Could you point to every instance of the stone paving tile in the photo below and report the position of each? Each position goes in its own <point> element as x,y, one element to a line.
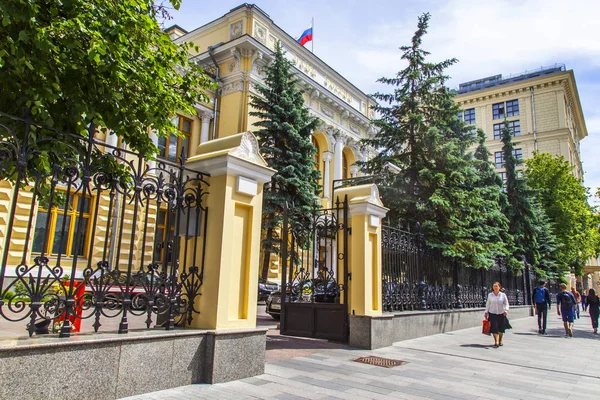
<point>255,381</point>
<point>301,392</point>
<point>296,386</point>
<point>287,396</point>
<point>446,366</point>
<point>324,384</point>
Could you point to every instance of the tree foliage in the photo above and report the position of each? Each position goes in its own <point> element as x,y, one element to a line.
<point>533,236</point>
<point>284,134</point>
<point>69,63</point>
<point>564,200</point>
<point>438,187</point>
<point>491,228</point>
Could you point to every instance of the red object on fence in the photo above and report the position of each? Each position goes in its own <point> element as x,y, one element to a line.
<point>75,320</point>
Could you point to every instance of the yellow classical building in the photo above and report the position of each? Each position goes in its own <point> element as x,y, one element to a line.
<point>234,49</point>
<point>542,108</point>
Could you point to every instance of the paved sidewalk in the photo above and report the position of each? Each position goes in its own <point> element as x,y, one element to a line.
<point>460,364</point>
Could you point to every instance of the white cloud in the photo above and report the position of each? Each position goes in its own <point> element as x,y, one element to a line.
<point>493,37</point>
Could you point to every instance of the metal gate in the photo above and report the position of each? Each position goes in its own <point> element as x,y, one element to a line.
<point>314,283</point>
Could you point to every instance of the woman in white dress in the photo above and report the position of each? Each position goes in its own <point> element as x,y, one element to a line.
<point>496,309</point>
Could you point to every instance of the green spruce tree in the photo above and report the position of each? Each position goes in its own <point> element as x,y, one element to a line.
<point>284,134</point>
<point>549,266</point>
<point>488,225</point>
<point>419,131</point>
<point>529,225</point>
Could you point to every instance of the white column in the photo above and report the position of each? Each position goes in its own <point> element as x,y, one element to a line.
<point>327,155</point>
<point>353,171</point>
<point>111,140</point>
<point>337,158</point>
<point>154,138</point>
<point>206,117</point>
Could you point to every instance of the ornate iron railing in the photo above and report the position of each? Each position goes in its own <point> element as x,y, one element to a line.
<point>416,277</point>
<point>314,261</point>
<point>95,231</point>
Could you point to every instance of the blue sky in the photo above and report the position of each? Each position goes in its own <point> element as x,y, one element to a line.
<point>360,39</point>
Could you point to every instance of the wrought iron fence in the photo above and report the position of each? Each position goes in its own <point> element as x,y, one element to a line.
<point>315,272</point>
<point>416,277</point>
<point>314,261</point>
<point>95,231</point>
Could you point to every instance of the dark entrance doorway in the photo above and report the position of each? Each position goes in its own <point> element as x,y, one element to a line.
<point>315,273</point>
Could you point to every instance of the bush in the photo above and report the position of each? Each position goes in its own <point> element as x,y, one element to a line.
<point>20,288</point>
<point>8,295</point>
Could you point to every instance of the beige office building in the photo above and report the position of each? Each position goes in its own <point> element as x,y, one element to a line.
<point>542,108</point>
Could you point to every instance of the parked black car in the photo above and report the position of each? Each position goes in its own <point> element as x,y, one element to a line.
<point>265,289</point>
<point>318,291</point>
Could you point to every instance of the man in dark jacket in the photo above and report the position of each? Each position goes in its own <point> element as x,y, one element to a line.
<point>541,299</point>
<point>565,306</point>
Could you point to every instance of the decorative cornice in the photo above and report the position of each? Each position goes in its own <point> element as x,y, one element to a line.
<point>249,150</point>
<point>232,87</point>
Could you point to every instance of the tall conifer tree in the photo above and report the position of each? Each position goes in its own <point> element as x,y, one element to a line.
<point>420,132</point>
<point>284,134</point>
<point>532,231</point>
<point>489,227</point>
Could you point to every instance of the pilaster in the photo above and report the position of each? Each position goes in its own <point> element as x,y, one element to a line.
<point>237,175</point>
<point>364,263</point>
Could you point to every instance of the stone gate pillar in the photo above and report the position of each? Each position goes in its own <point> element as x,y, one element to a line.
<point>237,174</point>
<point>369,329</point>
<point>365,212</point>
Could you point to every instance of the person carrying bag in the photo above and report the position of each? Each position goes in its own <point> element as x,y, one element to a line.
<point>496,309</point>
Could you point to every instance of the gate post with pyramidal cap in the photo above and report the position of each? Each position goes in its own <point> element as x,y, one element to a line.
<point>230,286</point>
<point>365,212</point>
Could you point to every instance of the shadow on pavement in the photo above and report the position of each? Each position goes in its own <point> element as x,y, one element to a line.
<point>476,345</point>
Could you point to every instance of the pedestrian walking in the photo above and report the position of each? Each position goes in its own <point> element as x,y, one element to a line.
<point>496,309</point>
<point>565,307</point>
<point>584,300</point>
<point>577,301</point>
<point>594,308</point>
<point>541,301</point>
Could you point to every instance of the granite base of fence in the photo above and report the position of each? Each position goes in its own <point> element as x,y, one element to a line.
<point>382,331</point>
<point>112,366</point>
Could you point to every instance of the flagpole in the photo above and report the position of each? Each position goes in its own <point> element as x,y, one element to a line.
<point>312,42</point>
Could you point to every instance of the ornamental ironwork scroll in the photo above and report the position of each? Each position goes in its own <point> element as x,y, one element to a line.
<point>96,231</point>
<point>416,277</point>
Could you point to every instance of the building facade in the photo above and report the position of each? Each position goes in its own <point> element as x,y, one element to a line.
<point>234,49</point>
<point>542,109</point>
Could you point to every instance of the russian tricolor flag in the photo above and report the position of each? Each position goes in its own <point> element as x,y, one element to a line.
<point>306,36</point>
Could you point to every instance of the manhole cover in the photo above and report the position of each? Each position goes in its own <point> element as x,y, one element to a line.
<point>380,361</point>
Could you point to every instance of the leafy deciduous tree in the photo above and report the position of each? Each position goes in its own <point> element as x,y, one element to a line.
<point>564,200</point>
<point>67,64</point>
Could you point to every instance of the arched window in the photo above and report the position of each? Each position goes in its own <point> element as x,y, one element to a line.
<point>345,174</point>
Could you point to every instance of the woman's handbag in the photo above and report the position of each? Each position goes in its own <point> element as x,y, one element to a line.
<point>486,326</point>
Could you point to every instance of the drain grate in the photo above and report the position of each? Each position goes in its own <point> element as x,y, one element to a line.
<point>380,361</point>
